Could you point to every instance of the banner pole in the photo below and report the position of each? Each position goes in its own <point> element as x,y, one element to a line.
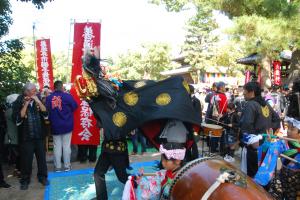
<point>34,52</point>
<point>69,63</point>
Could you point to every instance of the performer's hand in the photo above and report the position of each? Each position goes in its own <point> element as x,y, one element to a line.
<point>230,125</point>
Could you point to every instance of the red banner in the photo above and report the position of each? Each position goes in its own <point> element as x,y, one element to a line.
<point>277,73</point>
<point>86,36</point>
<point>259,74</point>
<point>85,130</point>
<point>44,63</point>
<point>247,76</point>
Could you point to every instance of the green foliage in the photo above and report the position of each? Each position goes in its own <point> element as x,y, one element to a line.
<point>38,3</point>
<point>200,45</point>
<point>171,5</point>
<point>263,26</point>
<point>61,71</point>
<point>5,19</point>
<point>226,55</point>
<point>265,8</point>
<point>144,64</point>
<point>259,34</point>
<point>13,73</point>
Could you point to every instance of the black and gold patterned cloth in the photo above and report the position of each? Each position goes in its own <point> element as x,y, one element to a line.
<point>115,146</point>
<point>139,102</point>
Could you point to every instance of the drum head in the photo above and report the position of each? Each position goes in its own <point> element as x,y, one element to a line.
<point>212,126</point>
<point>196,177</point>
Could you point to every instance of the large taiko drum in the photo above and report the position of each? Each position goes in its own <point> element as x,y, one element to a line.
<point>212,129</point>
<point>196,177</point>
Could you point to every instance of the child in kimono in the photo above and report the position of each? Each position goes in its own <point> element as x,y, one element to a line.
<point>158,185</point>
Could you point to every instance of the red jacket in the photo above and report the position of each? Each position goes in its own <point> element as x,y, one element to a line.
<point>222,102</point>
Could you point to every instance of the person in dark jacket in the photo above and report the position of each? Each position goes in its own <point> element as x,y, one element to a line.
<point>209,111</point>
<point>258,117</point>
<point>12,137</point>
<point>61,106</point>
<point>29,114</point>
<point>294,98</point>
<point>3,184</point>
<point>232,119</point>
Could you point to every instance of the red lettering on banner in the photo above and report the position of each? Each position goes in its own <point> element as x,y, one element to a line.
<point>56,102</point>
<point>86,131</point>
<point>277,73</point>
<point>86,37</point>
<point>85,121</point>
<point>44,63</point>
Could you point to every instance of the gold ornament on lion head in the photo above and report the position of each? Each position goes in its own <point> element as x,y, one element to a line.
<point>119,119</point>
<point>131,98</point>
<point>163,99</point>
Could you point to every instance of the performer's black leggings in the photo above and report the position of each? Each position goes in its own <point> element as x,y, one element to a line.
<point>119,161</point>
<point>252,163</point>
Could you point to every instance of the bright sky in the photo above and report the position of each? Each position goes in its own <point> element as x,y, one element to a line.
<point>125,23</point>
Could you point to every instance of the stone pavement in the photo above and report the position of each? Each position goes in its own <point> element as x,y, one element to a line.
<point>36,190</point>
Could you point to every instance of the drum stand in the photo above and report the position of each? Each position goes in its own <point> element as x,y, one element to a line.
<point>210,136</point>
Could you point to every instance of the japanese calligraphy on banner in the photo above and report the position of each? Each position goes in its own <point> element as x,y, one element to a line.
<point>247,76</point>
<point>86,131</point>
<point>86,36</point>
<point>44,63</point>
<point>277,73</point>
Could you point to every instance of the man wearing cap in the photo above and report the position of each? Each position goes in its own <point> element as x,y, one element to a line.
<point>219,107</point>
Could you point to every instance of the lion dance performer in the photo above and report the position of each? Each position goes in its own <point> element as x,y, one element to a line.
<point>121,106</point>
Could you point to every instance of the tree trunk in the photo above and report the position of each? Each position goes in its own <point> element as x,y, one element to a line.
<point>294,71</point>
<point>266,72</point>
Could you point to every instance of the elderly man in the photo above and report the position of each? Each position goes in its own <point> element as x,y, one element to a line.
<point>29,114</point>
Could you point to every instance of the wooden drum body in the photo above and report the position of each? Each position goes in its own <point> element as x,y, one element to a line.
<point>212,129</point>
<point>196,177</point>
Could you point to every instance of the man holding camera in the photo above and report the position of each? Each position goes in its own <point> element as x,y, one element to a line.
<point>29,114</point>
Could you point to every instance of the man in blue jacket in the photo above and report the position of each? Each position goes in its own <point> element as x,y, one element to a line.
<point>61,106</point>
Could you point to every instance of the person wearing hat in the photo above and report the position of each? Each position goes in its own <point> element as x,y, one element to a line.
<point>219,107</point>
